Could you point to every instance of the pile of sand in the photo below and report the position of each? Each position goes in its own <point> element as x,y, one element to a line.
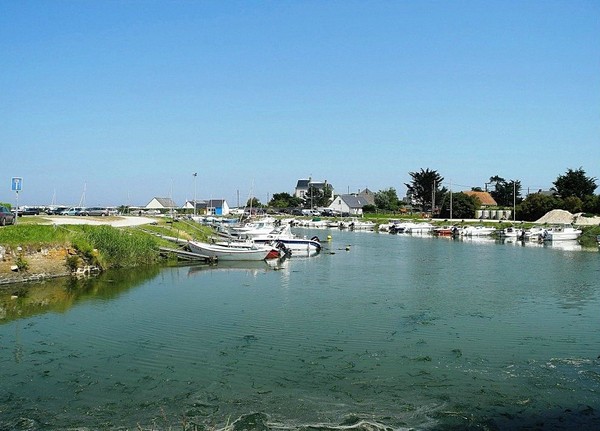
<point>557,217</point>
<point>565,217</point>
<point>579,219</point>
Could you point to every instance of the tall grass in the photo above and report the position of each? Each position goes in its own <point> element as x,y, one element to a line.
<point>105,246</point>
<point>110,247</point>
<point>33,235</point>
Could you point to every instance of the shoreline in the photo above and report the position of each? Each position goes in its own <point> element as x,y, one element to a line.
<point>50,260</point>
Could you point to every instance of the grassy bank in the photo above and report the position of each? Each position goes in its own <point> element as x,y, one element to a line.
<point>102,246</point>
<point>589,235</point>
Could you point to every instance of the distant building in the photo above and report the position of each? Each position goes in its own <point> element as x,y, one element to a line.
<point>488,208</point>
<point>348,204</point>
<point>209,207</point>
<point>545,192</point>
<point>303,186</point>
<point>368,196</point>
<point>485,198</point>
<point>161,204</point>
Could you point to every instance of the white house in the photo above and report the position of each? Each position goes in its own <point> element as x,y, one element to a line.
<point>348,204</point>
<point>217,207</point>
<point>161,204</point>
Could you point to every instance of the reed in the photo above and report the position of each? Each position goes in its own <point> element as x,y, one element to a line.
<point>110,247</point>
<point>105,246</point>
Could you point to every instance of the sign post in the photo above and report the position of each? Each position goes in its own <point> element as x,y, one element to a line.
<point>17,186</point>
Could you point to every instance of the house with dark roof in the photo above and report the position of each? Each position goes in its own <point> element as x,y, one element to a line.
<point>161,204</point>
<point>302,187</point>
<point>348,204</point>
<point>367,195</point>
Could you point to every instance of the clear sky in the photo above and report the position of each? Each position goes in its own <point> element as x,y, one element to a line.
<point>127,99</point>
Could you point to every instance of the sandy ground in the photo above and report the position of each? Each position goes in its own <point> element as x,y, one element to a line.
<point>120,221</point>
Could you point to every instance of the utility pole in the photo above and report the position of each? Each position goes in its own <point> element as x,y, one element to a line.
<point>432,199</point>
<point>450,199</point>
<point>514,200</point>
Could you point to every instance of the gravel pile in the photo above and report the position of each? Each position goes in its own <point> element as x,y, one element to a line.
<point>565,217</point>
<point>557,217</point>
<point>586,221</point>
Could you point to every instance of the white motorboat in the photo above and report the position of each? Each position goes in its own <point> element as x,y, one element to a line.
<point>418,228</point>
<point>535,233</point>
<point>561,233</point>
<point>283,238</point>
<point>258,227</point>
<point>223,252</point>
<point>511,232</point>
<point>356,224</point>
<point>476,230</point>
<point>299,246</point>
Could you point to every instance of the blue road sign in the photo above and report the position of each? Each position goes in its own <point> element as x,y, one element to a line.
<point>17,184</point>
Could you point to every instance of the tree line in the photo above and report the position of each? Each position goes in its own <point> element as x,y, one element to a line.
<point>573,191</point>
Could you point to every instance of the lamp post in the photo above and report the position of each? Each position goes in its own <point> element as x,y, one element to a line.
<point>195,174</point>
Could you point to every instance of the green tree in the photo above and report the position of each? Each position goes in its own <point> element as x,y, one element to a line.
<point>387,200</point>
<point>505,193</point>
<point>369,208</point>
<point>463,206</point>
<point>285,200</point>
<point>536,205</point>
<point>424,186</point>
<point>254,203</point>
<point>591,204</point>
<point>318,197</point>
<point>572,204</point>
<point>574,183</point>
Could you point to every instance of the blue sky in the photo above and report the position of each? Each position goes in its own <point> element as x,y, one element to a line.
<point>127,99</point>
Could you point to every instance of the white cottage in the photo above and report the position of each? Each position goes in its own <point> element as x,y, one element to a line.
<point>161,204</point>
<point>348,204</point>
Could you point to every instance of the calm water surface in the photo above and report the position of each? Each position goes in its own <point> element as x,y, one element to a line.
<point>396,332</point>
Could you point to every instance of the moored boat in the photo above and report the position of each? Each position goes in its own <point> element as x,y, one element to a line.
<point>476,231</point>
<point>283,238</point>
<point>299,246</point>
<point>561,233</point>
<point>223,252</point>
<point>445,231</point>
<point>356,224</point>
<point>511,232</point>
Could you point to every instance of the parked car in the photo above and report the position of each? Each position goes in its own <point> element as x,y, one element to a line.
<point>74,211</point>
<point>27,211</point>
<point>56,210</point>
<point>6,216</point>
<point>97,211</point>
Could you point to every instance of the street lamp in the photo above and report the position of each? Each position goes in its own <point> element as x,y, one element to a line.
<point>195,174</point>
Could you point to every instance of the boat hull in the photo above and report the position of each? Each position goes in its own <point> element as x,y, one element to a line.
<point>299,247</point>
<point>229,253</point>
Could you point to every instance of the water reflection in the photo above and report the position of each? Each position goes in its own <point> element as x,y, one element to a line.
<point>248,267</point>
<point>59,295</point>
<point>396,332</point>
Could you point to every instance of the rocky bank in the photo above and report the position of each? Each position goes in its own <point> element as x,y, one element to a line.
<point>21,265</point>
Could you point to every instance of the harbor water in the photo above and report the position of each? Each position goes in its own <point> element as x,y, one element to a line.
<point>377,332</point>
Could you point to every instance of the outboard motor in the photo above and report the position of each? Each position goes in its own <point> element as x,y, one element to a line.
<point>286,252</point>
